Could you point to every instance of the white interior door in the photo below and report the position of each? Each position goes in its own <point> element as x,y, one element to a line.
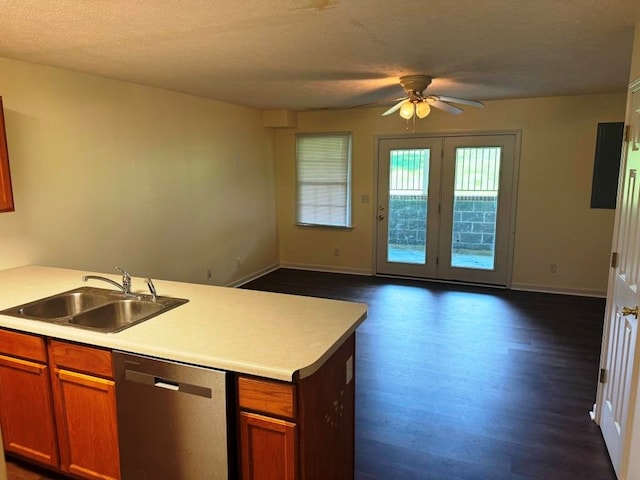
<point>617,398</point>
<point>445,207</point>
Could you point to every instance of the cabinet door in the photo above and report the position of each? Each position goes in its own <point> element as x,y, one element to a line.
<point>87,425</point>
<point>26,410</point>
<point>268,448</point>
<point>6,195</point>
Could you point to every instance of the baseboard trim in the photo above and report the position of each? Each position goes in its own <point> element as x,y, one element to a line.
<point>558,290</point>
<point>254,276</point>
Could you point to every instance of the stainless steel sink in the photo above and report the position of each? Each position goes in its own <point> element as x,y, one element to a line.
<point>63,305</point>
<point>99,309</point>
<point>120,314</point>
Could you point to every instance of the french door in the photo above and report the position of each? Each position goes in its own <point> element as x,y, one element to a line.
<point>444,207</point>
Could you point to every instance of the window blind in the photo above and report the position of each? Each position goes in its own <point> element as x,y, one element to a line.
<point>324,179</point>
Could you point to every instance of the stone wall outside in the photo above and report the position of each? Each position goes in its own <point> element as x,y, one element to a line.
<point>474,221</point>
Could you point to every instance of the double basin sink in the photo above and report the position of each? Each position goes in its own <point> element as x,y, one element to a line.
<point>97,309</point>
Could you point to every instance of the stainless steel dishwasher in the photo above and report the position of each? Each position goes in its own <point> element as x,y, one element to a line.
<point>172,420</point>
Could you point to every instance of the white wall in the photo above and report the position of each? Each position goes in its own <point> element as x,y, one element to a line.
<point>109,173</point>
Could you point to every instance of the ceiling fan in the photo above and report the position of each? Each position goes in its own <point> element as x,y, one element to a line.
<point>416,103</point>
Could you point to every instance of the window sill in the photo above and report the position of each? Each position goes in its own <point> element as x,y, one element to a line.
<point>324,227</point>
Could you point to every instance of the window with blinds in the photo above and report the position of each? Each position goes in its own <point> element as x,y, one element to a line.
<point>323,168</point>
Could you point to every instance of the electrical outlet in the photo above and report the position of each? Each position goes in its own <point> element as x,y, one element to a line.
<point>553,268</point>
<point>238,262</point>
<point>209,274</point>
<point>349,369</point>
<point>336,252</point>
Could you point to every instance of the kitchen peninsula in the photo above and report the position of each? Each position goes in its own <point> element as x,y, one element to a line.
<point>290,358</point>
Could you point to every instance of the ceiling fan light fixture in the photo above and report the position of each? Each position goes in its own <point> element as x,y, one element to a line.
<point>407,110</point>
<point>422,109</point>
<point>416,104</point>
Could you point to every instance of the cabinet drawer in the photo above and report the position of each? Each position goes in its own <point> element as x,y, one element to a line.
<point>95,361</point>
<point>267,397</point>
<point>23,345</point>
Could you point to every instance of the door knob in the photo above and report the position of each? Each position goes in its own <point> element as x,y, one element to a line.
<point>630,311</point>
<point>380,217</point>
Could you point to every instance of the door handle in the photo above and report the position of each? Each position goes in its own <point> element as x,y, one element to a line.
<point>380,217</point>
<point>630,311</point>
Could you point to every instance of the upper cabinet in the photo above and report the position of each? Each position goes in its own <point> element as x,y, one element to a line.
<point>6,194</point>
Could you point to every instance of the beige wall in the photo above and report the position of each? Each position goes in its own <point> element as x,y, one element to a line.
<point>635,57</point>
<point>554,223</point>
<point>108,173</point>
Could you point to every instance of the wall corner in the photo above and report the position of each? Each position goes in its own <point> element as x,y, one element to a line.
<point>281,118</point>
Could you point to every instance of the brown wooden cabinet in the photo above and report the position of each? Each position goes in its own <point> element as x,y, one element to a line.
<point>303,430</point>
<point>58,408</point>
<point>26,405</point>
<point>269,448</point>
<point>62,412</point>
<point>268,440</point>
<point>85,406</point>
<point>6,193</point>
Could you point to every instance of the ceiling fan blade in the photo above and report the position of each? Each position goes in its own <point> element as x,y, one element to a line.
<point>462,101</point>
<point>396,107</point>
<point>436,102</point>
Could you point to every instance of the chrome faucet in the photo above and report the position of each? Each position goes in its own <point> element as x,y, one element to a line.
<point>152,288</point>
<point>126,281</point>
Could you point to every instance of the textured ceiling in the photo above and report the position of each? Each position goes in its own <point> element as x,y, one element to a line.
<point>309,54</point>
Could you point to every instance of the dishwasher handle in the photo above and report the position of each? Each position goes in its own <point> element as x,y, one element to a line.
<point>167,384</point>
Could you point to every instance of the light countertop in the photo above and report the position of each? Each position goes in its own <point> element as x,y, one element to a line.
<point>271,335</point>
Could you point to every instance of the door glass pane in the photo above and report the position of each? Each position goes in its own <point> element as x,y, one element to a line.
<point>408,193</point>
<point>475,204</point>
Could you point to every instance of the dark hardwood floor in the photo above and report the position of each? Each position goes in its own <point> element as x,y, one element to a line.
<point>465,383</point>
<point>18,470</point>
<point>469,383</point>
